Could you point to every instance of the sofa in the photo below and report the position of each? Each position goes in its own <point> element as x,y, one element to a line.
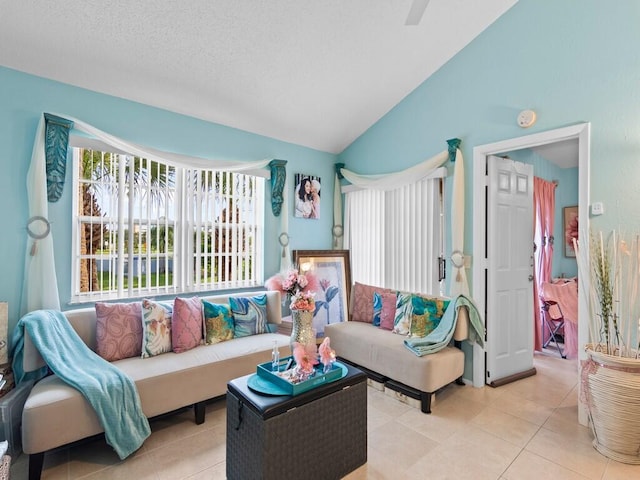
<point>56,414</point>
<point>383,355</point>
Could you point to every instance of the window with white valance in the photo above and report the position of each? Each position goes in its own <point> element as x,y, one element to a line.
<point>45,183</point>
<point>395,225</point>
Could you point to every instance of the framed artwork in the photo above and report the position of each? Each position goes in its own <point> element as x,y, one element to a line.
<point>333,274</point>
<point>570,229</point>
<point>306,196</point>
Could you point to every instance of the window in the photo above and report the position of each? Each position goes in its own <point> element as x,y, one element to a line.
<point>396,237</point>
<point>142,227</point>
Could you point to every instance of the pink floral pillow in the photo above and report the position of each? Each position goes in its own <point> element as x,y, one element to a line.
<point>118,330</point>
<point>362,302</point>
<point>187,324</point>
<point>388,312</point>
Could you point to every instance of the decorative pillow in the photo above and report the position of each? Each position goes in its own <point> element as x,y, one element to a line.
<point>156,328</point>
<point>426,314</point>
<point>118,330</point>
<point>402,320</point>
<point>377,308</point>
<point>362,302</point>
<point>186,324</point>
<point>249,315</point>
<point>388,312</point>
<point>218,322</point>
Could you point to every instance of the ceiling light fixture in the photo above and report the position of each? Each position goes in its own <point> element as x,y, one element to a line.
<point>417,10</point>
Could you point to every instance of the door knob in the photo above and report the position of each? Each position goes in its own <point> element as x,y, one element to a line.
<point>531,278</point>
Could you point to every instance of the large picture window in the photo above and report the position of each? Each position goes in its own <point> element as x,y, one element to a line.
<point>146,228</point>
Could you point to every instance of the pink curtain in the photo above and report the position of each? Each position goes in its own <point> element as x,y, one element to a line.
<point>544,201</point>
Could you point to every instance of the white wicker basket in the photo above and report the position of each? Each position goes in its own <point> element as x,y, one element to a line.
<point>611,386</point>
<point>5,467</point>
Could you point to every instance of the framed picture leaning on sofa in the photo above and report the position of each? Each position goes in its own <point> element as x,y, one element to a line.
<point>333,273</point>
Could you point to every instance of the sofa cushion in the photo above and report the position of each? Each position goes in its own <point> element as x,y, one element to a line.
<point>156,328</point>
<point>382,352</point>
<point>362,302</point>
<point>118,330</point>
<point>186,324</point>
<point>249,315</point>
<point>164,382</point>
<point>218,322</point>
<point>426,313</point>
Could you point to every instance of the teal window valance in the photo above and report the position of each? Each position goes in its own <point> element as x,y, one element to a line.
<point>55,147</point>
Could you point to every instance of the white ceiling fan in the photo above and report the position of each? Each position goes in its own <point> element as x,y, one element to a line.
<point>415,13</point>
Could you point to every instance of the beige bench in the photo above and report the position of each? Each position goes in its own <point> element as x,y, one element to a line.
<point>385,358</point>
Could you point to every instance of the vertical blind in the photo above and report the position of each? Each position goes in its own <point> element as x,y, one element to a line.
<point>396,237</point>
<point>146,228</point>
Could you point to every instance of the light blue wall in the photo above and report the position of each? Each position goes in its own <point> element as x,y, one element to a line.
<point>23,98</point>
<point>569,61</point>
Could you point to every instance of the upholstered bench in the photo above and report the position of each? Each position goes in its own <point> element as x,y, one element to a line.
<point>384,357</point>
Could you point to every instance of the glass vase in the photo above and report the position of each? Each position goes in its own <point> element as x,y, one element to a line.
<point>302,328</point>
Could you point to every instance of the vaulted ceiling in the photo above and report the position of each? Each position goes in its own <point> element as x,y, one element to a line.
<point>316,73</point>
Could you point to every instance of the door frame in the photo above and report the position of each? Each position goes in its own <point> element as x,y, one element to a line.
<point>581,132</point>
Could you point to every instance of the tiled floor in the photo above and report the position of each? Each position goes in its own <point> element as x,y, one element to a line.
<point>524,430</point>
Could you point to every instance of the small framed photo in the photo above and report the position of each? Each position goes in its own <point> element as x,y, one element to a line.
<point>306,196</point>
<point>570,229</point>
<point>333,273</point>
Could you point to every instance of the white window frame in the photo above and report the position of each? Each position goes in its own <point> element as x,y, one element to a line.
<point>188,218</point>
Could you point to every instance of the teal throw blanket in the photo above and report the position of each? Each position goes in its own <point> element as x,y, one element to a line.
<point>443,333</point>
<point>111,393</point>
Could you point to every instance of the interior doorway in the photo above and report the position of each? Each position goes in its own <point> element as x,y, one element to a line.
<point>581,132</point>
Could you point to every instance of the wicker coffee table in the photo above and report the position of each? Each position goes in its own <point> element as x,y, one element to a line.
<point>319,434</point>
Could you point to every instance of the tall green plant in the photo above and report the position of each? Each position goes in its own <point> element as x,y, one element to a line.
<point>609,272</point>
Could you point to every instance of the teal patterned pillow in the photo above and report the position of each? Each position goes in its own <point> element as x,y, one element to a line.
<point>402,321</point>
<point>249,315</point>
<point>426,313</point>
<point>218,322</point>
<point>377,309</point>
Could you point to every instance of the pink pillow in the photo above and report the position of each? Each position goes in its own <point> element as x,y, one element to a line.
<point>118,330</point>
<point>362,302</point>
<point>187,324</point>
<point>388,312</point>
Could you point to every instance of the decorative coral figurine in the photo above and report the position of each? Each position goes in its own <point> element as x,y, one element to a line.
<point>327,354</point>
<point>306,356</point>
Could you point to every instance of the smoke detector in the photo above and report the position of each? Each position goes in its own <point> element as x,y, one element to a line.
<point>526,118</point>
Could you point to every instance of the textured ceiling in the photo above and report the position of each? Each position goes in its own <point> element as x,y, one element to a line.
<point>316,73</point>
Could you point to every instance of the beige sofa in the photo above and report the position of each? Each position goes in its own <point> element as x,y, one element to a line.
<point>384,357</point>
<point>56,414</point>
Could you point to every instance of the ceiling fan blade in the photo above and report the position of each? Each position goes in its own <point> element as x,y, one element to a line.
<point>417,10</point>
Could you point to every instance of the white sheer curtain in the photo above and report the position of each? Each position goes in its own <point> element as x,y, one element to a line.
<point>40,288</point>
<point>366,221</point>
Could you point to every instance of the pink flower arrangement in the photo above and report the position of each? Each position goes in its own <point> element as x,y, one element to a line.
<point>299,287</point>
<point>303,301</point>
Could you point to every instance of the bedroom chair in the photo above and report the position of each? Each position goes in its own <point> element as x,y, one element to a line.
<point>553,318</point>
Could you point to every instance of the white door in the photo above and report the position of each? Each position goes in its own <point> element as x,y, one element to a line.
<point>509,268</point>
